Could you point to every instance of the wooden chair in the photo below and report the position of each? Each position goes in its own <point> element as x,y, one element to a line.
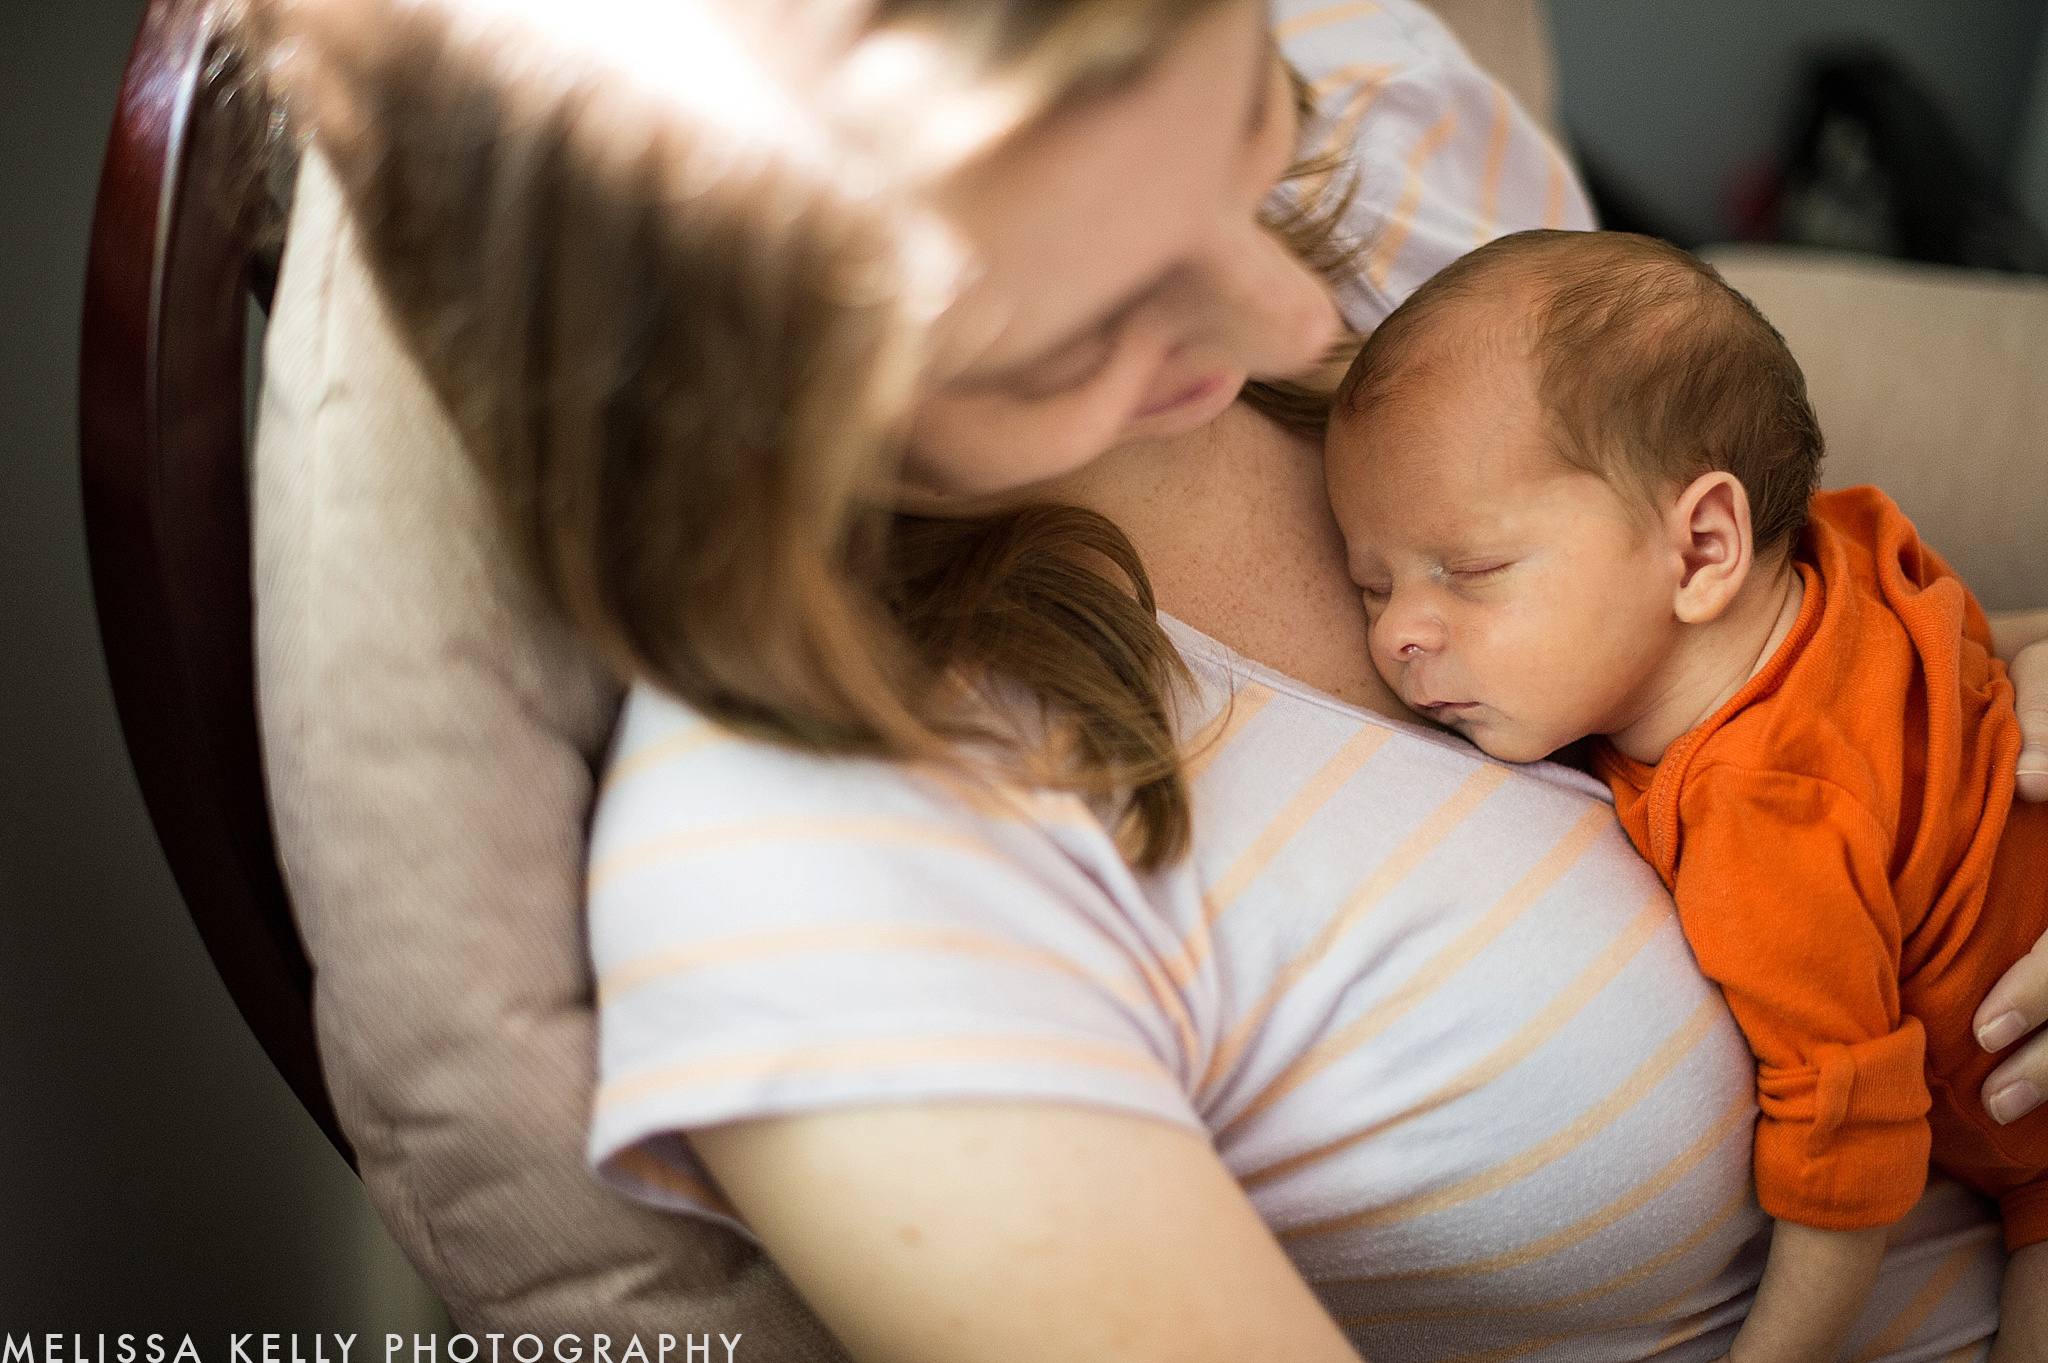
<point>186,239</point>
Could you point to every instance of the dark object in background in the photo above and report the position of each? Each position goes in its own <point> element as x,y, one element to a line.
<point>1617,207</point>
<point>1877,165</point>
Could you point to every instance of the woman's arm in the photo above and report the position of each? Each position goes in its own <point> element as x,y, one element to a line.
<point>974,1232</point>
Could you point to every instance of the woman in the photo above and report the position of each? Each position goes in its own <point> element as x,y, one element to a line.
<point>1069,341</point>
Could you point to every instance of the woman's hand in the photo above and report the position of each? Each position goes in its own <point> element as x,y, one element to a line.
<point>2018,1004</point>
<point>2021,639</point>
<point>1016,1232</point>
<point>2029,670</point>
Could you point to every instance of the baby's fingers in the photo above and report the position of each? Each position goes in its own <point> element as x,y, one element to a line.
<point>2030,685</point>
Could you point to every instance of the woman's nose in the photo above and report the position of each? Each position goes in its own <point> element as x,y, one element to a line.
<point>1274,313</point>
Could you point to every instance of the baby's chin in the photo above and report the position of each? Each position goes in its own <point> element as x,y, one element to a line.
<point>1497,736</point>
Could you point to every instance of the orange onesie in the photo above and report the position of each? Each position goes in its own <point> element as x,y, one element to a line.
<point>1850,867</point>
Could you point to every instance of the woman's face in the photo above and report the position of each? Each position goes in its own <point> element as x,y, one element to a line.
<point>1125,288</point>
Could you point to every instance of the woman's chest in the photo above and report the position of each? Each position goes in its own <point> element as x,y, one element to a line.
<point>1452,1042</point>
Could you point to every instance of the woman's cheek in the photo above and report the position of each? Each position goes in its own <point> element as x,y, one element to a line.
<point>973,445</point>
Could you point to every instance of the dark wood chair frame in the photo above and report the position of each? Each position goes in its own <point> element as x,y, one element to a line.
<point>186,234</point>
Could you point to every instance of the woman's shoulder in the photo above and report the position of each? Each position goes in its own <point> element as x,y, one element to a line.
<point>1440,156</point>
<point>691,813</point>
<point>1265,715</point>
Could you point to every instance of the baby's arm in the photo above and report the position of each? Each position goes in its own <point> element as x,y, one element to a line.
<point>1783,893</point>
<point>2023,1308</point>
<point>1814,1285</point>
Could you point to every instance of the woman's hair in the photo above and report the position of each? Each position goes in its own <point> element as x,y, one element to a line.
<point>679,349</point>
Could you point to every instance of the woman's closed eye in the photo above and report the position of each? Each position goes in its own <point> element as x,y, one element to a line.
<point>1066,369</point>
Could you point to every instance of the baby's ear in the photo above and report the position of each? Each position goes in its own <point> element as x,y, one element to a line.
<point>1708,528</point>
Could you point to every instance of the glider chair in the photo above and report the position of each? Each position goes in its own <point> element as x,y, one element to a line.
<point>421,769</point>
<point>364,747</point>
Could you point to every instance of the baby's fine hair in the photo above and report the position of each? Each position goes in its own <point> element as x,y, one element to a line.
<point>1651,370</point>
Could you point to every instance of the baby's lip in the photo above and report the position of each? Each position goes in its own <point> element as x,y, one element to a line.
<point>1446,707</point>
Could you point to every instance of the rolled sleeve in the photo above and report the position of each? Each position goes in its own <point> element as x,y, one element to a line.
<point>1843,1143</point>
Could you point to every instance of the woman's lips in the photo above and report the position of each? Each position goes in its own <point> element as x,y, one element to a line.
<point>1193,393</point>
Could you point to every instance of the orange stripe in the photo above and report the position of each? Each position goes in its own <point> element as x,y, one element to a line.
<point>1568,1138</point>
<point>904,1053</point>
<point>1517,1048</point>
<point>889,832</point>
<point>1228,723</point>
<point>661,750</point>
<point>1335,14</point>
<point>1922,1304</point>
<point>1352,74</point>
<point>1438,970</point>
<point>1553,193</point>
<point>1379,262</point>
<point>1442,821</point>
<point>1737,1115</point>
<point>645,970</point>
<point>1689,1328</point>
<point>659,1173</point>
<point>1647,1269</point>
<point>1496,154</point>
<point>1293,816</point>
<point>1182,965</point>
<point>1371,78</point>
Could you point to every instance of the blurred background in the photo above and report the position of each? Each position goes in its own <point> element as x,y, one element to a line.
<point>155,1173</point>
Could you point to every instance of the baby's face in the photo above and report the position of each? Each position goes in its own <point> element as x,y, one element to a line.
<point>1511,597</point>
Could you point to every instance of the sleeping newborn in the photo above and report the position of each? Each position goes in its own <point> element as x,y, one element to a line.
<point>1575,478</point>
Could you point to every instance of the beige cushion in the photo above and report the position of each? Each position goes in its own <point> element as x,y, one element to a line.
<point>1510,40</point>
<point>1932,383</point>
<point>429,739</point>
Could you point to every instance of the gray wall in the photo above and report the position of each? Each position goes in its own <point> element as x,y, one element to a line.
<point>2030,157</point>
<point>1675,97</point>
<point>155,1173</point>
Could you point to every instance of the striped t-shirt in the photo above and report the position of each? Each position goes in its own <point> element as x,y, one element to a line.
<point>1432,1011</point>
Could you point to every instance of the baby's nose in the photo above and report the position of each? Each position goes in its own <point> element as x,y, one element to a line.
<point>1408,634</point>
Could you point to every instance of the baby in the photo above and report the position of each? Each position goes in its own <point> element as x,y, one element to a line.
<point>1575,476</point>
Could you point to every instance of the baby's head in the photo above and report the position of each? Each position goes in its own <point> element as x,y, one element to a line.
<point>1558,468</point>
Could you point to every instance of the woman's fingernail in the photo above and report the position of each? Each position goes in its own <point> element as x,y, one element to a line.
<point>2013,1102</point>
<point>2001,1031</point>
<point>2033,772</point>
